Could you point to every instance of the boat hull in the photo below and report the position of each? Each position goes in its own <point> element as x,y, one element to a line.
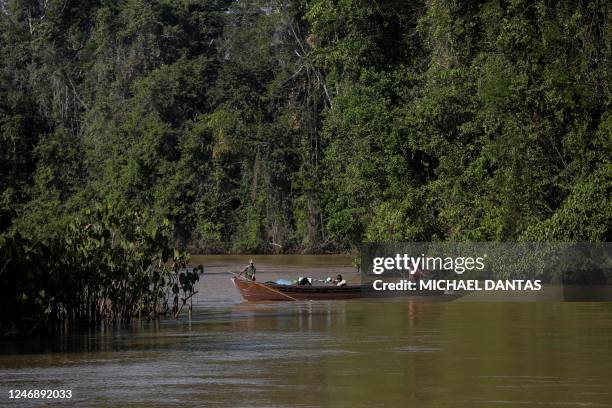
<point>255,291</point>
<point>258,292</point>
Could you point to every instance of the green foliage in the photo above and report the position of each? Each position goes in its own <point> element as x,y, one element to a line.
<point>585,214</point>
<point>498,136</point>
<point>303,126</point>
<point>108,266</point>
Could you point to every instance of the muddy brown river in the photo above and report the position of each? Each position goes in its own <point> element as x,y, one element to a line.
<point>359,353</point>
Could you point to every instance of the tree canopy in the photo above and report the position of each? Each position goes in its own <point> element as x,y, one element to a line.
<point>310,126</point>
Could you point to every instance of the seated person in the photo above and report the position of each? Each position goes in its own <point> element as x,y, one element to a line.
<point>339,281</point>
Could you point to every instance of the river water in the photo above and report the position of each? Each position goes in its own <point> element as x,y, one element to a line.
<point>360,353</point>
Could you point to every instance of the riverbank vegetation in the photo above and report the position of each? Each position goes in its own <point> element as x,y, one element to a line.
<point>289,126</point>
<point>108,267</point>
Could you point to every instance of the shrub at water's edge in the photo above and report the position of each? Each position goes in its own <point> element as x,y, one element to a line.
<point>109,266</point>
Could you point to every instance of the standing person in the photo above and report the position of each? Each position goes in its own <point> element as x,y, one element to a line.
<point>417,276</point>
<point>249,271</point>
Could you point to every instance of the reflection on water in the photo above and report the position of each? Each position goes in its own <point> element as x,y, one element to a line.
<point>336,353</point>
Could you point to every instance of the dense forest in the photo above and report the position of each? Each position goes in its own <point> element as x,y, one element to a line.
<point>129,128</point>
<point>266,126</point>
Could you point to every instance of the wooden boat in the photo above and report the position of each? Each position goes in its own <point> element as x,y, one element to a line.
<point>256,291</point>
